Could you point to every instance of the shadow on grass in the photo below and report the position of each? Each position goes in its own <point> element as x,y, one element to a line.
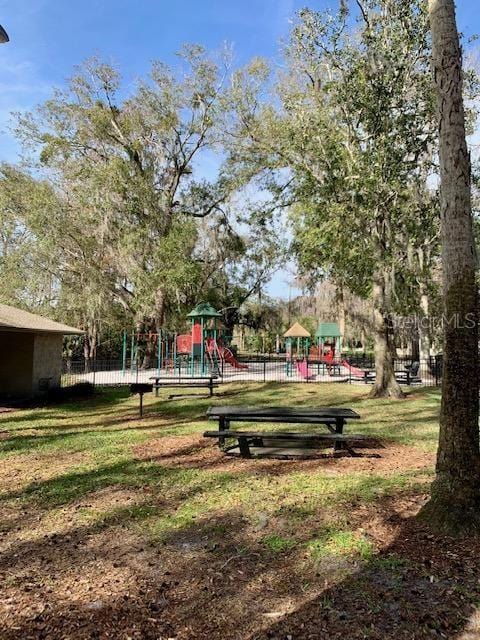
<point>88,407</point>
<point>66,488</point>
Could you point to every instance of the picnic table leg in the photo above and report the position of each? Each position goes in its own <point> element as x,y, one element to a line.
<point>244,447</point>
<point>339,424</point>
<point>156,388</point>
<point>223,425</point>
<point>141,403</point>
<point>210,386</point>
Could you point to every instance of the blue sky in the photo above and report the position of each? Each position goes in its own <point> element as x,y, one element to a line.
<point>49,37</point>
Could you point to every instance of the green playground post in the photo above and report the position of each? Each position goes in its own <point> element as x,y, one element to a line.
<point>124,351</point>
<point>288,356</point>
<point>132,352</point>
<point>175,363</point>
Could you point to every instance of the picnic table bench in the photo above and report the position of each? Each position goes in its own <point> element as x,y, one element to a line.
<point>333,418</point>
<point>141,388</point>
<point>191,382</point>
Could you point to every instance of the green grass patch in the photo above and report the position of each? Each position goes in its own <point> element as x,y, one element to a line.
<point>390,562</point>
<point>278,544</point>
<point>336,542</point>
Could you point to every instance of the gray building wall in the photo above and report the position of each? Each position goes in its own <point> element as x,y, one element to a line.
<point>16,363</point>
<point>29,362</point>
<point>47,361</point>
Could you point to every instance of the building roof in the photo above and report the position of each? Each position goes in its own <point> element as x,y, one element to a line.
<point>328,330</point>
<point>296,331</point>
<point>204,310</point>
<point>13,319</point>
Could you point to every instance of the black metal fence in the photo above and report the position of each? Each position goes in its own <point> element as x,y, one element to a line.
<point>358,369</point>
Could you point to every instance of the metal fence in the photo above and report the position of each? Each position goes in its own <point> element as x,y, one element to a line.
<point>359,369</point>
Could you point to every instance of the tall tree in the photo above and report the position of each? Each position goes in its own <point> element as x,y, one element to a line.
<point>455,500</point>
<point>126,165</point>
<point>346,131</point>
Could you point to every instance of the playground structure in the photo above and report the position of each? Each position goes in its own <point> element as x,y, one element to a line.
<point>328,351</point>
<point>198,353</point>
<point>325,352</point>
<point>328,342</point>
<point>297,342</point>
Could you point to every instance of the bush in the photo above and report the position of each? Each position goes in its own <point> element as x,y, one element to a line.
<point>77,391</point>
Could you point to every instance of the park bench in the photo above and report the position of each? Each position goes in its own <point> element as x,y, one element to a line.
<point>187,382</point>
<point>333,418</point>
<point>409,375</point>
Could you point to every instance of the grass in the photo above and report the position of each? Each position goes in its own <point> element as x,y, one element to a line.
<point>278,544</point>
<point>92,468</point>
<point>332,541</point>
<point>102,434</point>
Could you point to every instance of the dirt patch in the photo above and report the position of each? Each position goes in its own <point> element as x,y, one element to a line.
<point>201,585</point>
<point>194,452</point>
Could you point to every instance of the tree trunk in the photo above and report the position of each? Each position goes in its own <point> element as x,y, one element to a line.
<point>149,357</point>
<point>154,326</point>
<point>415,345</point>
<point>93,339</point>
<point>455,497</point>
<point>90,345</point>
<point>363,339</point>
<point>425,342</point>
<point>86,353</point>
<point>386,385</point>
<point>340,299</point>
<point>159,311</point>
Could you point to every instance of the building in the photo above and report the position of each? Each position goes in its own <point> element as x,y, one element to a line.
<point>30,352</point>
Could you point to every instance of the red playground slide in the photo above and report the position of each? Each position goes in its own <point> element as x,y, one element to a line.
<point>358,373</point>
<point>224,354</point>
<point>228,356</point>
<point>303,370</point>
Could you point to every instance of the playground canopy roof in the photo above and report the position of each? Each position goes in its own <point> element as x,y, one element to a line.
<point>13,319</point>
<point>296,331</point>
<point>204,310</point>
<point>328,330</point>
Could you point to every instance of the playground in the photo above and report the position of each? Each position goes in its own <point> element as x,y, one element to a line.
<point>145,529</point>
<point>208,351</point>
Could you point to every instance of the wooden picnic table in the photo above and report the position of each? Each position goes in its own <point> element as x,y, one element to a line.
<point>332,417</point>
<point>185,382</point>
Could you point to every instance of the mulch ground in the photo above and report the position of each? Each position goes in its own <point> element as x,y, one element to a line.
<point>194,452</point>
<point>63,580</point>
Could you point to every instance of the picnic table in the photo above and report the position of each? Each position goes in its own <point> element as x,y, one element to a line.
<point>333,418</point>
<point>207,382</point>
